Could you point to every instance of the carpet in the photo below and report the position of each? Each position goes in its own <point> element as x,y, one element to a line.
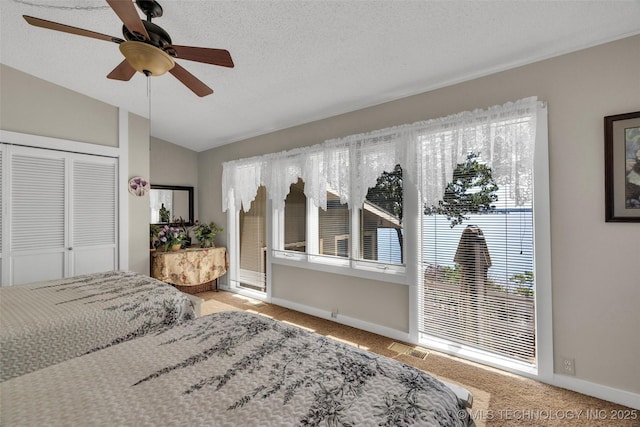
<point>499,398</point>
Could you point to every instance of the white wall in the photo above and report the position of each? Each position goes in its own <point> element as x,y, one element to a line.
<point>596,285</point>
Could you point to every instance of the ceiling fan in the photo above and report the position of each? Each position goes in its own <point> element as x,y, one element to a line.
<point>147,48</point>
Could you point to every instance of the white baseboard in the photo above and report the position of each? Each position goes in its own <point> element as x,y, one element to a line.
<point>615,395</point>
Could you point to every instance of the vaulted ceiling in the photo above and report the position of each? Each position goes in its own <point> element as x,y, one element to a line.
<point>300,61</point>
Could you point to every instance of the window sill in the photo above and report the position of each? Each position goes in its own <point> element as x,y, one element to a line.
<point>380,272</point>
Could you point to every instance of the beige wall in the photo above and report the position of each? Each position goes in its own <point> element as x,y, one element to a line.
<point>33,106</point>
<point>388,308</point>
<point>172,164</point>
<point>596,285</point>
<point>139,258</point>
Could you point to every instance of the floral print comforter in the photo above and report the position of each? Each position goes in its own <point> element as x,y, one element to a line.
<point>231,369</point>
<point>48,322</point>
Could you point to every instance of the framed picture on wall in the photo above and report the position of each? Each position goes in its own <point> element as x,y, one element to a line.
<point>622,167</point>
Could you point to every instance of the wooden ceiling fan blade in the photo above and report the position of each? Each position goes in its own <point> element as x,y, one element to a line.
<point>126,11</point>
<point>206,55</point>
<point>50,25</point>
<point>190,81</point>
<point>124,71</point>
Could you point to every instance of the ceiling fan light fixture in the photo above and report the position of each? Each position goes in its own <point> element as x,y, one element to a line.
<point>147,59</point>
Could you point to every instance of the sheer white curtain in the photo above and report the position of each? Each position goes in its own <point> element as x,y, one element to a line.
<point>503,137</point>
<point>428,152</point>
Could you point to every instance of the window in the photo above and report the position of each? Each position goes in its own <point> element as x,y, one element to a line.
<point>334,228</point>
<point>295,219</point>
<point>253,244</point>
<point>468,215</point>
<point>381,231</point>
<point>477,285</point>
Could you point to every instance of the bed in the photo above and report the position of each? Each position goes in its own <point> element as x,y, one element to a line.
<point>48,322</point>
<point>231,369</point>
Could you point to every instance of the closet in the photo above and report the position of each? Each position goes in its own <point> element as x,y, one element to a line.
<point>59,214</point>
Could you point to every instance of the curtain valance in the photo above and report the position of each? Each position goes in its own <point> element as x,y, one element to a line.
<point>503,136</point>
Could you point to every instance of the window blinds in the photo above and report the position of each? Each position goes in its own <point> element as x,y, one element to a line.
<point>477,282</point>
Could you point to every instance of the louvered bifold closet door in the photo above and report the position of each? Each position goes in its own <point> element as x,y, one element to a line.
<point>37,215</point>
<point>94,214</point>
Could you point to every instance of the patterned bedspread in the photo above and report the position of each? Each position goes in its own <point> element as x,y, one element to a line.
<point>230,369</point>
<point>48,322</point>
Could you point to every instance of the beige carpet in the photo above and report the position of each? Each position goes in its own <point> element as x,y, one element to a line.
<point>212,305</point>
<point>500,398</point>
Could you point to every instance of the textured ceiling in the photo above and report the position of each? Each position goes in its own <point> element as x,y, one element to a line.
<point>300,61</point>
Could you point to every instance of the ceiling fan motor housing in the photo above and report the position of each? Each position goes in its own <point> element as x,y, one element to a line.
<point>150,8</point>
<point>158,37</point>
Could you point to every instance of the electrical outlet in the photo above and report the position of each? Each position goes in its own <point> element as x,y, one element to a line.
<point>334,313</point>
<point>568,366</point>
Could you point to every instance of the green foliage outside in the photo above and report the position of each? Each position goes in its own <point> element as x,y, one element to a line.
<point>452,274</point>
<point>471,190</point>
<point>388,195</point>
<point>524,283</point>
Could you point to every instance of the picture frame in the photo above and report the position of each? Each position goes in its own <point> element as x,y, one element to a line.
<point>622,167</point>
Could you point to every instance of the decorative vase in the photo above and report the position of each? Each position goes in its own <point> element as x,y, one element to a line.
<point>176,247</point>
<point>207,243</point>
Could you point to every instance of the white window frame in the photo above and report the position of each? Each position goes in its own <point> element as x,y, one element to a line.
<point>543,369</point>
<point>314,260</point>
<point>233,251</point>
<point>410,275</point>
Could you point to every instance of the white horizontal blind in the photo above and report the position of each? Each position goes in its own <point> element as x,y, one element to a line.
<point>37,202</point>
<point>334,228</point>
<point>94,203</point>
<point>478,289</point>
<point>477,277</point>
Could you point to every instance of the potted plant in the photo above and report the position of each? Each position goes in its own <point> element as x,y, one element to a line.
<point>154,229</point>
<point>169,238</point>
<point>205,233</point>
<point>182,224</point>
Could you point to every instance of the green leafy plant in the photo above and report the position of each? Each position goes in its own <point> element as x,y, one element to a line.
<point>388,195</point>
<point>182,224</point>
<point>524,283</point>
<point>471,190</point>
<point>206,233</point>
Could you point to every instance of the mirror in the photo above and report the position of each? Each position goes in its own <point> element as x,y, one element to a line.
<point>170,202</point>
